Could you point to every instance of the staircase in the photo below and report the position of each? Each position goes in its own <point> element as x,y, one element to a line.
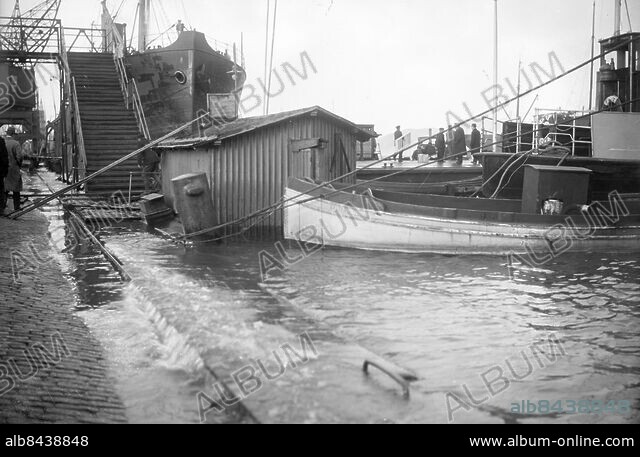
<point>110,130</point>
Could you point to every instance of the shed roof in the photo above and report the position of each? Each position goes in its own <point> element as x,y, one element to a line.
<point>251,124</point>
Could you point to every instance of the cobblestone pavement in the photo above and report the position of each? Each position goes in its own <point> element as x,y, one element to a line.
<point>52,370</point>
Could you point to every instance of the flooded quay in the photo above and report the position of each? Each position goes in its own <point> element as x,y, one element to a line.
<point>478,340</point>
<point>320,212</point>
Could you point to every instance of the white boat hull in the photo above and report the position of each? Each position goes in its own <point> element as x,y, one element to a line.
<point>329,223</point>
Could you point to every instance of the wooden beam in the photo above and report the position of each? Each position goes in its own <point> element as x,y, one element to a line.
<point>309,143</point>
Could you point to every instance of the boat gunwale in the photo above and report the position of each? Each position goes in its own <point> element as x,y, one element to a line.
<point>522,221</point>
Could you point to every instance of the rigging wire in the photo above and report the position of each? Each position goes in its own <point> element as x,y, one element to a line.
<point>186,15</point>
<point>165,17</point>
<point>288,203</point>
<point>133,29</point>
<point>119,8</point>
<point>161,35</point>
<point>155,16</point>
<point>346,175</point>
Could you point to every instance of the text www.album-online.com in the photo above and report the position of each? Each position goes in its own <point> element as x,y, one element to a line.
<point>577,441</point>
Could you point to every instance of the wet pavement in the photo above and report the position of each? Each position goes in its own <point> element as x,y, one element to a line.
<point>52,369</point>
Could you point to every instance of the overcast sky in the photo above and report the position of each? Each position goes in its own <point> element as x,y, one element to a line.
<point>385,62</point>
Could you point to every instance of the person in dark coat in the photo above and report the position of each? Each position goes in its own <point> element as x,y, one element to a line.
<point>476,142</point>
<point>441,145</point>
<point>13,180</point>
<point>459,144</point>
<point>149,162</point>
<point>4,169</point>
<point>396,136</point>
<point>450,151</point>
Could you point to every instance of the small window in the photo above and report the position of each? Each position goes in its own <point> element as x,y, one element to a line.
<point>181,78</point>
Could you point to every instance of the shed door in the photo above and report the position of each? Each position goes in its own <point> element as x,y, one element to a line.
<point>340,158</point>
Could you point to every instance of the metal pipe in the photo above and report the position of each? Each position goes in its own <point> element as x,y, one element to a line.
<point>617,17</point>
<point>106,169</point>
<point>397,378</point>
<point>130,184</point>
<point>113,260</point>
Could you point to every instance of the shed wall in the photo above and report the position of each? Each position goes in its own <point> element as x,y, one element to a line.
<point>249,172</point>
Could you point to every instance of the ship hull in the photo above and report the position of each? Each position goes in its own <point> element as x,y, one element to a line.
<point>174,82</point>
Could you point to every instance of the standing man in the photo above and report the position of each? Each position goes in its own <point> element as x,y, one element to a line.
<point>180,26</point>
<point>459,144</point>
<point>396,136</point>
<point>450,142</point>
<point>149,162</point>
<point>13,180</point>
<point>441,145</point>
<point>476,142</point>
<point>4,169</point>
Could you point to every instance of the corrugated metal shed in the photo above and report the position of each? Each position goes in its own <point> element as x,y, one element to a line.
<point>249,161</point>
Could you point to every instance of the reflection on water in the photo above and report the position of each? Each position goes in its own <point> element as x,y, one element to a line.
<point>449,319</point>
<point>453,318</point>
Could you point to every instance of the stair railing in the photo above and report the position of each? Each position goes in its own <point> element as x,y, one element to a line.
<point>128,85</point>
<point>82,153</point>
<point>71,94</point>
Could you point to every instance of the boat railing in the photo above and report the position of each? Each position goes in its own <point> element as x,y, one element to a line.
<point>549,119</point>
<point>487,134</point>
<point>568,133</point>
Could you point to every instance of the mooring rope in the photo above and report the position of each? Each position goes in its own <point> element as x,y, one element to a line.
<point>281,205</point>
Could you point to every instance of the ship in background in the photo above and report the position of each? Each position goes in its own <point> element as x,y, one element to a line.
<point>175,82</point>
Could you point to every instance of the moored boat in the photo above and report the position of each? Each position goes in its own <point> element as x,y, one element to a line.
<point>396,222</point>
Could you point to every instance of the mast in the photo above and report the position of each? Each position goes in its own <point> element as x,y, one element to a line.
<point>495,79</point>
<point>143,24</point>
<point>593,54</point>
<point>518,120</point>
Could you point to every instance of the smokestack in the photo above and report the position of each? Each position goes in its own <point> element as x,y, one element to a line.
<point>618,18</point>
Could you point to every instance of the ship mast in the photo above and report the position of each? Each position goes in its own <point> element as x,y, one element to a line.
<point>144,7</point>
<point>618,18</point>
<point>495,79</point>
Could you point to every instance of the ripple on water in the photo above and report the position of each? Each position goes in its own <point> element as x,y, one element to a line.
<point>450,319</point>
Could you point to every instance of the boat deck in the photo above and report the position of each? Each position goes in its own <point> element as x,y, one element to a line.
<point>433,173</point>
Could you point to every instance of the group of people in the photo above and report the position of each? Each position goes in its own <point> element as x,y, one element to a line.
<point>10,174</point>
<point>453,146</point>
